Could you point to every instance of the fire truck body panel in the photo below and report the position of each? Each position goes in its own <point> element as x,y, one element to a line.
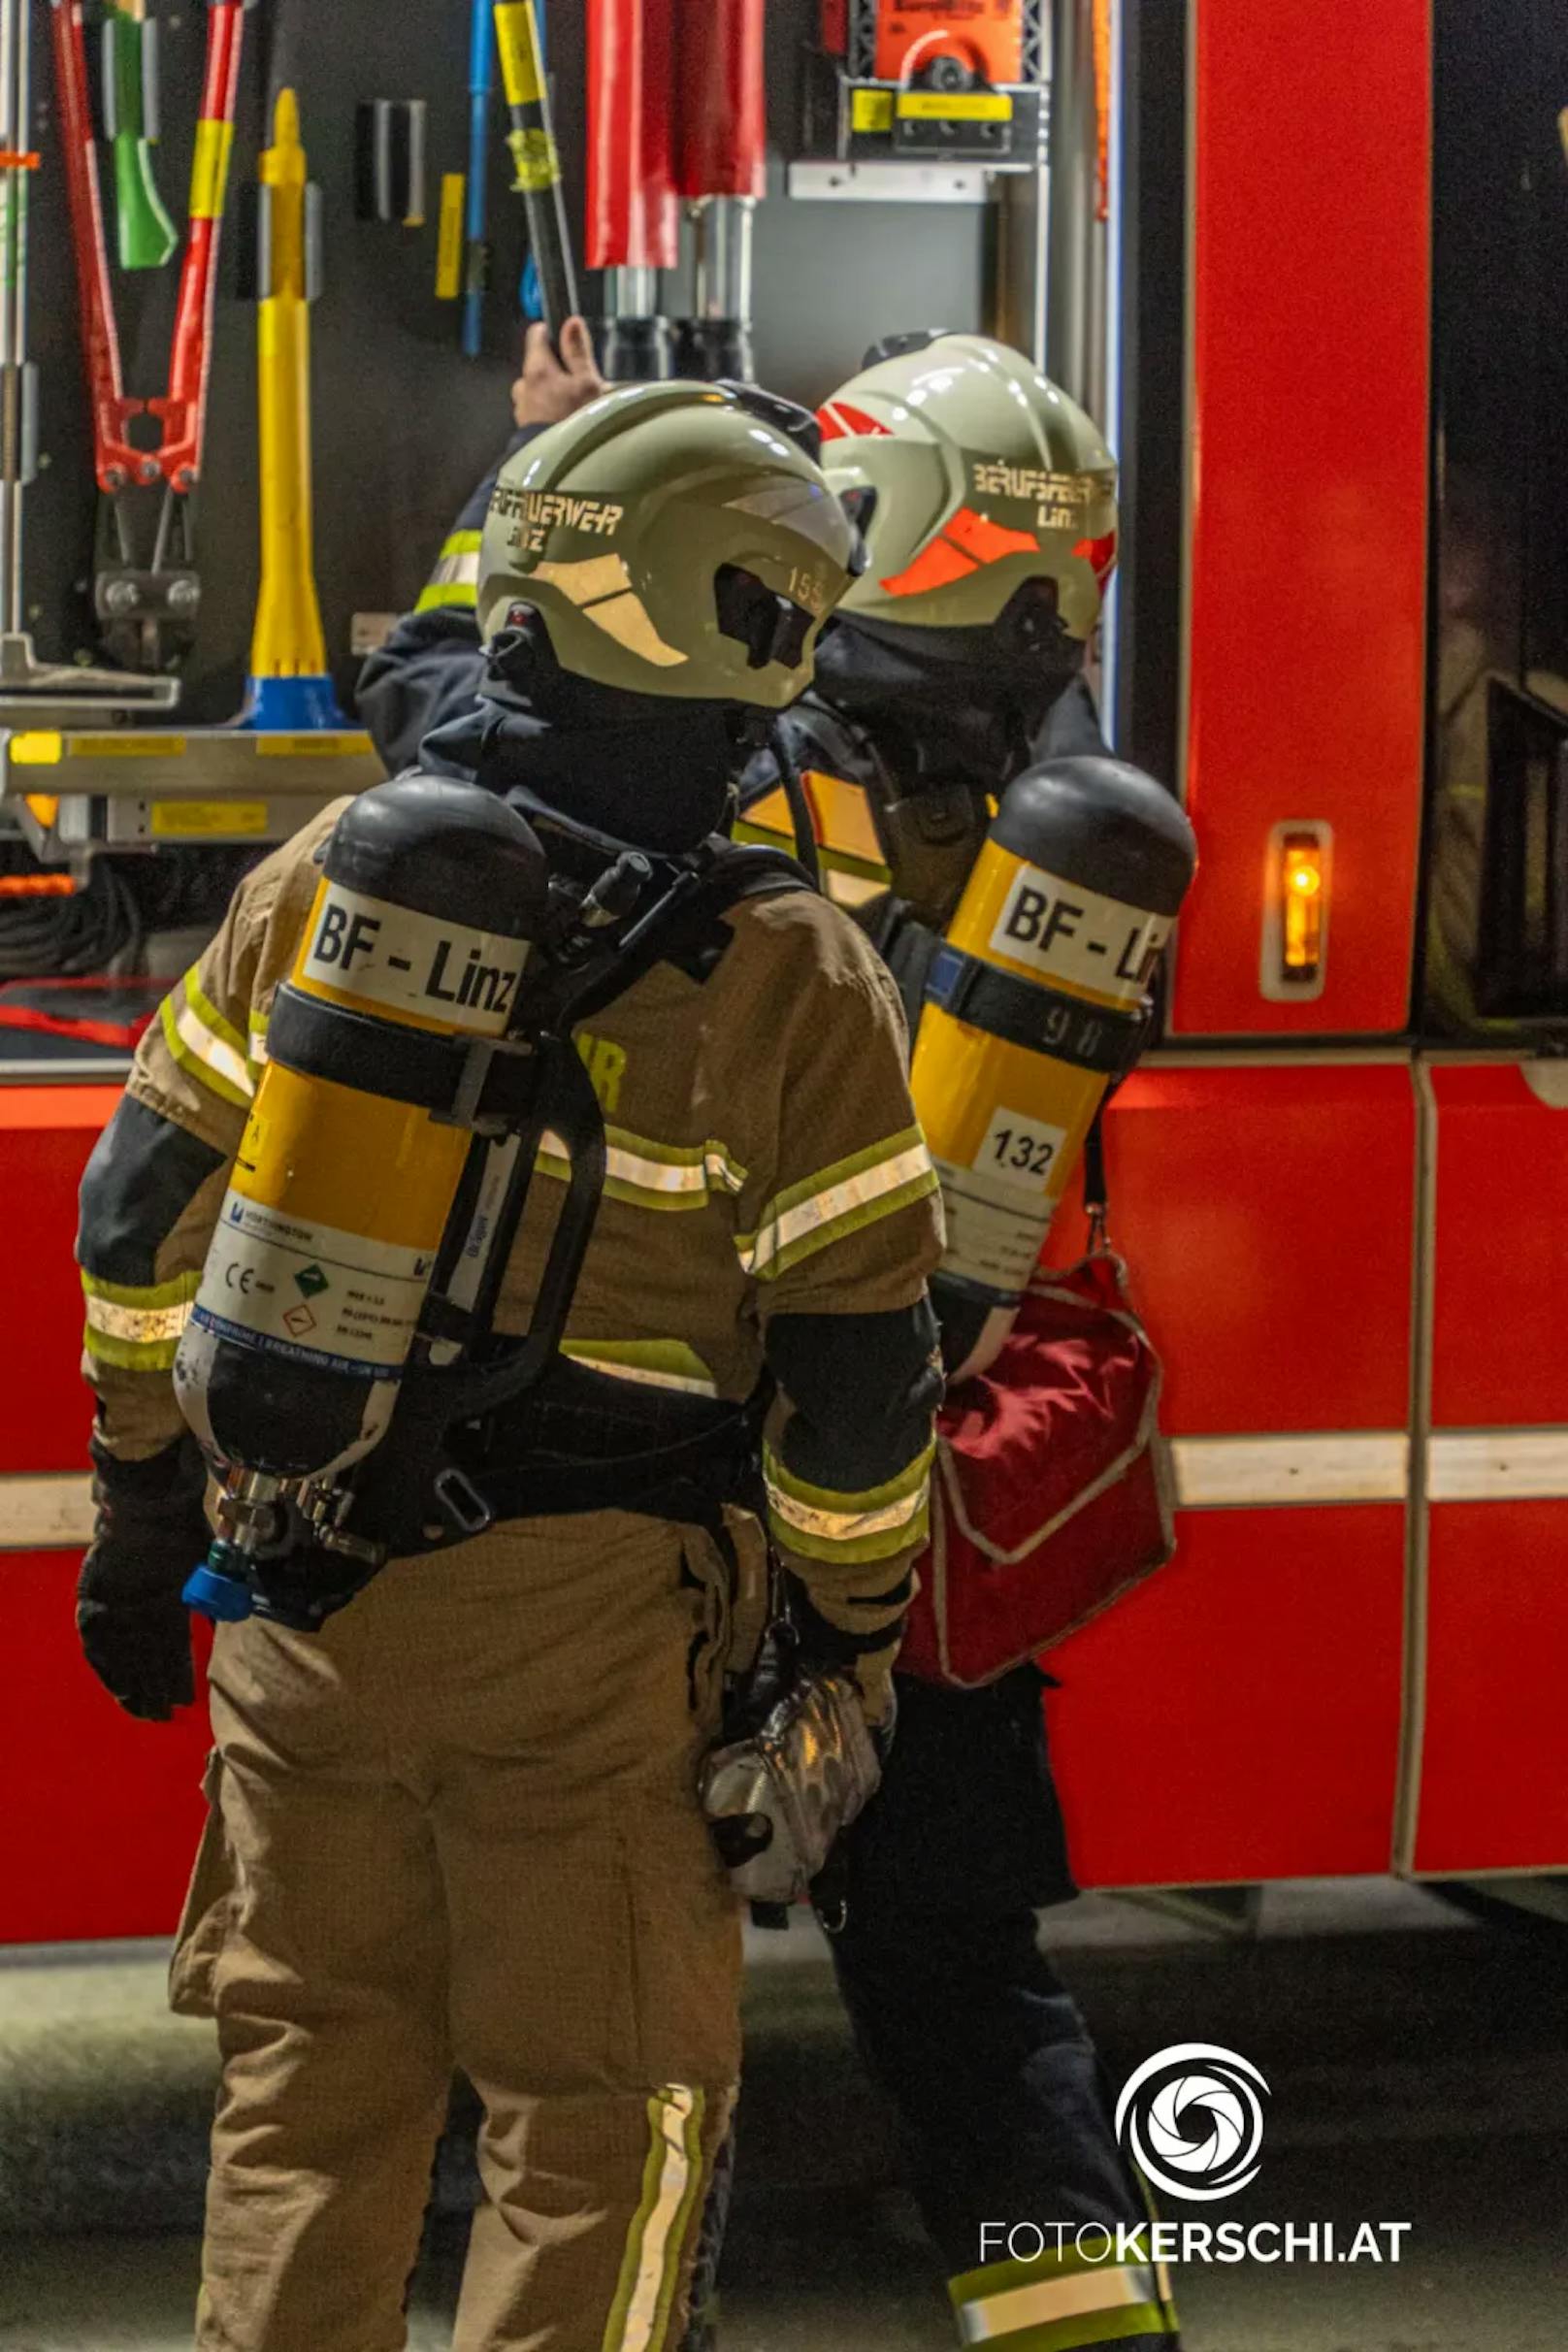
<point>1307,481</point>
<point>1240,1716</point>
<point>1489,1751</point>
<point>98,1814</point>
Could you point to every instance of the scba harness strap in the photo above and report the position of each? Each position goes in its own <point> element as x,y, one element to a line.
<point>580,1438</point>
<point>519,1431</point>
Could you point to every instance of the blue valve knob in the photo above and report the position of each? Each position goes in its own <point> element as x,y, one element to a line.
<point>225,1599</point>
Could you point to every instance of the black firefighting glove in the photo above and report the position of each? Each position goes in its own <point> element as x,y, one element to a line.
<point>151,1532</point>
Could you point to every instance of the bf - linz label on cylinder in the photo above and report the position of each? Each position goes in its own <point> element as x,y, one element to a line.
<point>1065,932</point>
<point>411,962</point>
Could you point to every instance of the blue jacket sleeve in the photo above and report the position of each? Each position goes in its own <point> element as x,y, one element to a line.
<point>432,666</point>
<point>429,671</point>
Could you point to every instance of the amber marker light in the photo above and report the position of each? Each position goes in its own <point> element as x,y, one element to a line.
<point>1302,929</point>
<point>1296,912</point>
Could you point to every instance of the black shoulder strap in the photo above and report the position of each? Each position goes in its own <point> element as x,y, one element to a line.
<point>800,807</point>
<point>908,948</point>
<point>743,870</point>
<point>1096,1200</point>
<point>687,931</point>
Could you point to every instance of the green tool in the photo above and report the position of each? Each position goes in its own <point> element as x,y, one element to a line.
<point>146,235</point>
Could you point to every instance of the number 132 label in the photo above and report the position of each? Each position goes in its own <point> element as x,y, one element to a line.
<point>1019,1150</point>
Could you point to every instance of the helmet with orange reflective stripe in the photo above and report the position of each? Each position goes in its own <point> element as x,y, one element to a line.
<point>988,479</point>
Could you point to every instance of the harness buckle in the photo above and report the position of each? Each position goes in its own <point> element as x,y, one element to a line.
<point>463,1505</point>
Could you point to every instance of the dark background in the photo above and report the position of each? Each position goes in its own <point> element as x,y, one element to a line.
<point>404,424</point>
<point>1496,933</point>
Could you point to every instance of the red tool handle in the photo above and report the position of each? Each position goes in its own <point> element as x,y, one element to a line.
<point>633,219</point>
<point>720,99</point>
<point>183,408</point>
<point>117,462</point>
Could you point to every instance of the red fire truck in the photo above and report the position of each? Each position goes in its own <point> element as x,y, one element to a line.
<point>1341,1175</point>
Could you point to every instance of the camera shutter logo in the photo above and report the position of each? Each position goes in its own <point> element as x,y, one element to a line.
<point>1192,2120</point>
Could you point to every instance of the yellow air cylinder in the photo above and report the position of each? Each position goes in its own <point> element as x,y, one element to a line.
<point>1036,1002</point>
<point>345,1181</point>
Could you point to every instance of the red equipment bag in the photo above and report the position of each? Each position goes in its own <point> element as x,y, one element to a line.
<point>1053,1490</point>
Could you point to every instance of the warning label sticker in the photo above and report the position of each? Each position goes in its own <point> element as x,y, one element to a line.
<point>995,1230</point>
<point>328,1294</point>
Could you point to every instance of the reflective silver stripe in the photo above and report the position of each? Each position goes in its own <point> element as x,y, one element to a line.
<point>1069,2297</point>
<point>650,1375</point>
<point>1369,1466</point>
<point>44,1514</point>
<point>1335,1467</point>
<point>837,1200</point>
<point>455,572</point>
<point>208,1048</point>
<point>846,1526</point>
<point>696,1178</point>
<point>673,2113</point>
<point>672,1175</point>
<point>1493,1465</point>
<point>142,1326</point>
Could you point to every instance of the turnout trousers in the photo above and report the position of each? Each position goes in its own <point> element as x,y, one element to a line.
<point>969,2033</point>
<point>459,1829</point>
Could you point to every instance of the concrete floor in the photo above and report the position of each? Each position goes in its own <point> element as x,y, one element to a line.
<point>1417,2060</point>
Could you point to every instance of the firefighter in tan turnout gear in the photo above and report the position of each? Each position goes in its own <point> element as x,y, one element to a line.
<point>458,1825</point>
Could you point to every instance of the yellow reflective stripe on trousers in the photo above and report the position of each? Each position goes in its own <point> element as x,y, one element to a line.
<point>659,1363</point>
<point>837,1202</point>
<point>1055,2307</point>
<point>205,1045</point>
<point>650,1175</point>
<point>671,2187</point>
<point>137,1328</point>
<point>831,1526</point>
<point>455,580</point>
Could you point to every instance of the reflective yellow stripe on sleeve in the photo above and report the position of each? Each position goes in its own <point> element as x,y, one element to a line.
<point>137,1329</point>
<point>206,1045</point>
<point>837,1202</point>
<point>455,580</point>
<point>825,1524</point>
